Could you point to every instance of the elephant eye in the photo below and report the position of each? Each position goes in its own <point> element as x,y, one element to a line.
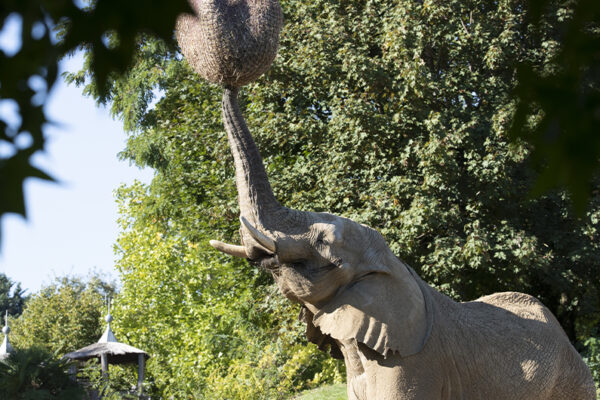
<point>298,264</point>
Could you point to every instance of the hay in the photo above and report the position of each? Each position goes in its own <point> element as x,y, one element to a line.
<point>230,42</point>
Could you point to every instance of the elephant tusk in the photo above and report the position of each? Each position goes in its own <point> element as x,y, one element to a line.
<point>268,243</point>
<point>231,249</point>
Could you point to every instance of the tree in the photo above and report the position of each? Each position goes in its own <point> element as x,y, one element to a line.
<point>12,297</point>
<point>63,316</point>
<point>214,328</point>
<point>571,153</point>
<point>395,114</point>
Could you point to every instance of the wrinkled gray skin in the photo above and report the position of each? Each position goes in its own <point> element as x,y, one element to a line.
<point>400,339</point>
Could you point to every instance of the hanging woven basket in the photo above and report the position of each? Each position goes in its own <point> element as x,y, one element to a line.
<point>230,42</point>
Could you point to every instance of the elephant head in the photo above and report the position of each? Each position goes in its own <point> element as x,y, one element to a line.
<point>341,271</point>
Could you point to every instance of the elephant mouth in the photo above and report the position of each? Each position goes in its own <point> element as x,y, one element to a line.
<point>266,262</point>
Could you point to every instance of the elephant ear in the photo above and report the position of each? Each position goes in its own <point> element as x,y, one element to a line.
<point>387,313</point>
<point>314,335</point>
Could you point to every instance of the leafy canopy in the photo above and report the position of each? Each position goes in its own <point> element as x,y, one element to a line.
<point>63,316</point>
<point>565,97</point>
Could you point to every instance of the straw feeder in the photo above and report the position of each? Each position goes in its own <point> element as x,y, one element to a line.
<point>230,42</point>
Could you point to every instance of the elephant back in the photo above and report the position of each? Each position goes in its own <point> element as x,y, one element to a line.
<point>524,306</point>
<point>522,347</point>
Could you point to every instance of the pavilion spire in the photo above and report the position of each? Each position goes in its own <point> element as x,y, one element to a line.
<point>108,335</point>
<point>5,348</point>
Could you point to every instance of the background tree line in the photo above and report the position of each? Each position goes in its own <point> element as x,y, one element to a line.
<point>12,297</point>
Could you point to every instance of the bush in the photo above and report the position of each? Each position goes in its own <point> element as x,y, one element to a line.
<point>35,374</point>
<point>591,355</point>
<point>120,384</point>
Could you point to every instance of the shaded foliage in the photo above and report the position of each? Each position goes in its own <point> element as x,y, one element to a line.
<point>35,374</point>
<point>592,357</point>
<point>28,75</point>
<point>119,384</point>
<point>566,97</point>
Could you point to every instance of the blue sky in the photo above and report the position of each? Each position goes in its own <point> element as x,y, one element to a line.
<point>71,225</point>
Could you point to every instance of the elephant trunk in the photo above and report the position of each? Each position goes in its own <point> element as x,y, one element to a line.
<point>260,212</point>
<point>255,196</point>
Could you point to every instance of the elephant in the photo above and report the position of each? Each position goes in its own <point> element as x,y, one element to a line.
<point>398,336</point>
